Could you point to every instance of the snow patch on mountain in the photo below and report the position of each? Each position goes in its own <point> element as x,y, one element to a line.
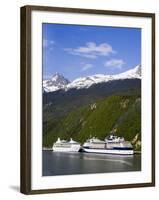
<point>56,82</point>
<point>59,82</point>
<point>86,82</point>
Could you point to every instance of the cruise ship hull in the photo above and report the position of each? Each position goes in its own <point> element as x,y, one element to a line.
<point>67,149</point>
<point>110,151</point>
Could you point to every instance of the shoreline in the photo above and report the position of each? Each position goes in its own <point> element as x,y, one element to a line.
<point>50,149</point>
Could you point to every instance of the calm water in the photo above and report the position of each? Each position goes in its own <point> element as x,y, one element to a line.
<point>59,163</point>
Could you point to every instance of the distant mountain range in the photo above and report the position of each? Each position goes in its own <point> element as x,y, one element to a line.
<point>59,82</point>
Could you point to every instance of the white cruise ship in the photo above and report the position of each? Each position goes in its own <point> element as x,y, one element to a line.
<point>111,145</point>
<point>66,146</point>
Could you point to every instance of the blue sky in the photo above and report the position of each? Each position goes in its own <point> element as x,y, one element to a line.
<point>76,50</point>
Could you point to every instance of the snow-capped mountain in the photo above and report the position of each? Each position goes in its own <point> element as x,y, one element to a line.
<point>59,82</point>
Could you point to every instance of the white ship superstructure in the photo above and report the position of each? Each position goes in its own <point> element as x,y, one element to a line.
<point>111,145</point>
<point>66,146</point>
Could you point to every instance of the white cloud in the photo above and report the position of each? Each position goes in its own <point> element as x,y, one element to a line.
<point>86,67</point>
<point>114,63</point>
<point>48,44</point>
<point>91,50</point>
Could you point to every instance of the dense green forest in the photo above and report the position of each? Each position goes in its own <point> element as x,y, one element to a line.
<point>118,113</point>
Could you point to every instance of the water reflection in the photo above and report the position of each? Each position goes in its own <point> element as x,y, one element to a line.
<point>62,163</point>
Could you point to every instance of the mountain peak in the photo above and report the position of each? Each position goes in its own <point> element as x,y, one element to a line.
<point>57,76</point>
<point>138,70</point>
<point>56,82</point>
<point>132,73</point>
